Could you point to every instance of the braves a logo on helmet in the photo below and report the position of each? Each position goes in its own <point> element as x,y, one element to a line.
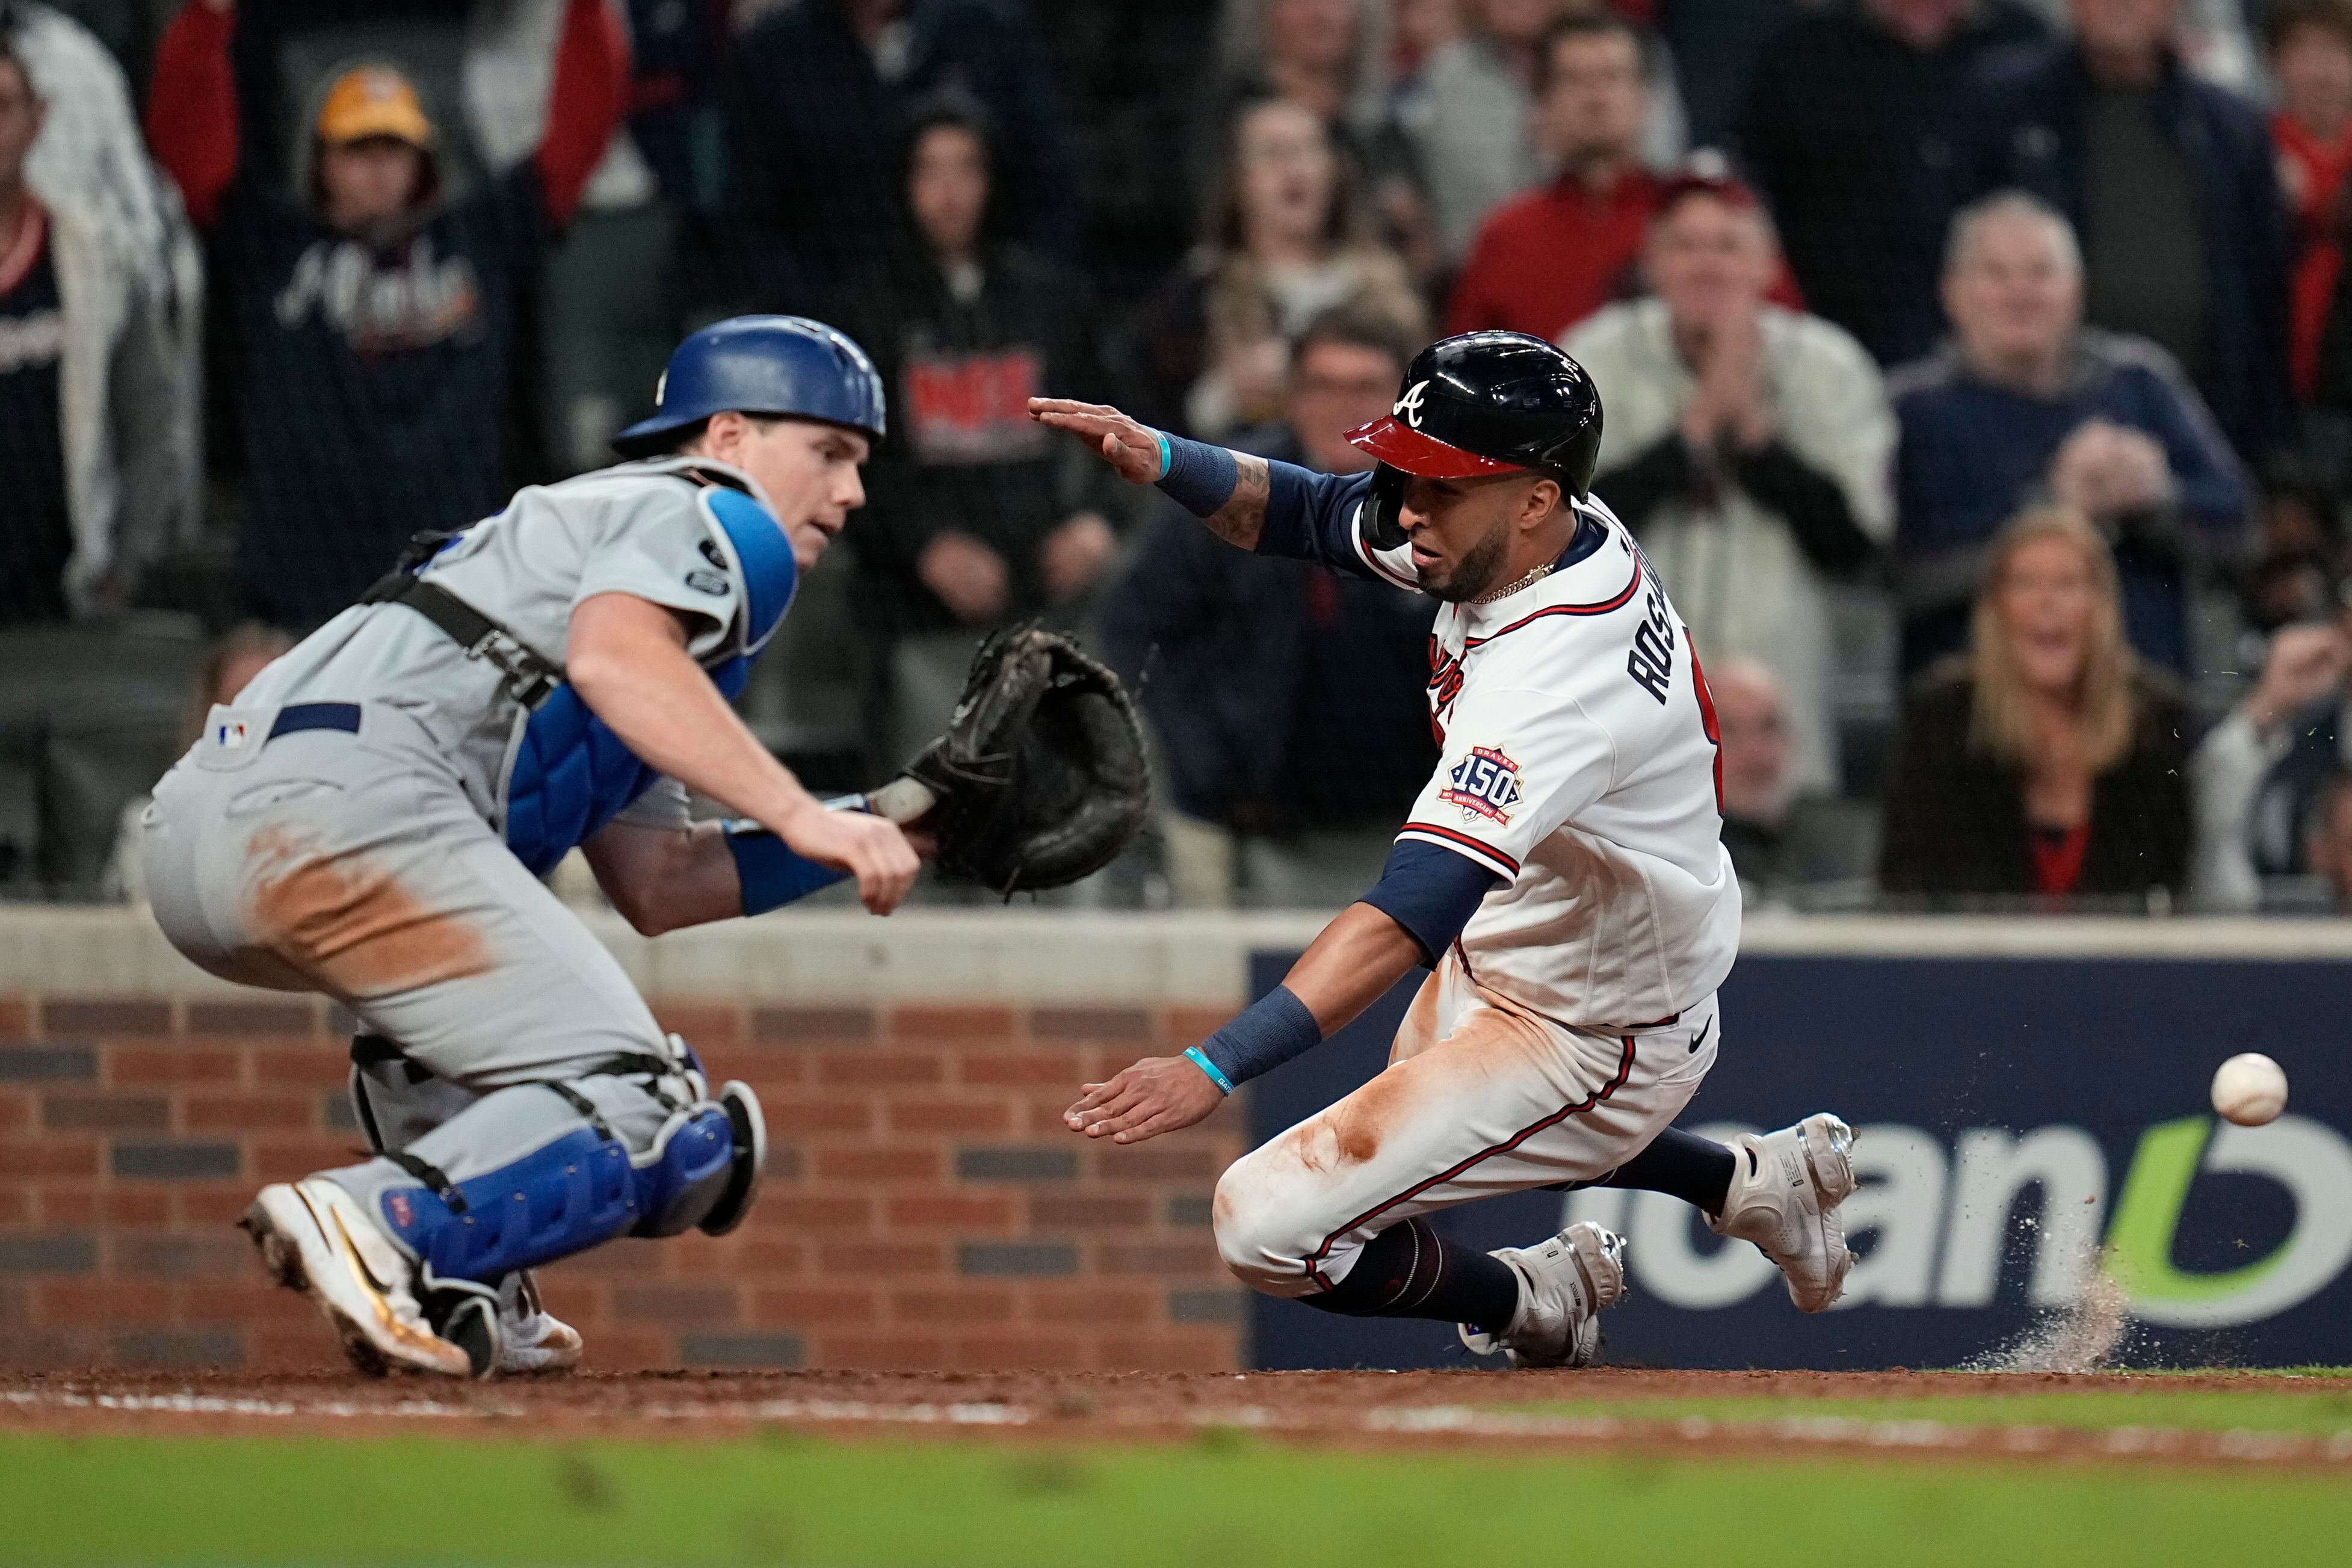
<point>1408,407</point>
<point>1485,783</point>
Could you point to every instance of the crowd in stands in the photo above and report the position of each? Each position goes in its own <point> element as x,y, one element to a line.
<point>1978,374</point>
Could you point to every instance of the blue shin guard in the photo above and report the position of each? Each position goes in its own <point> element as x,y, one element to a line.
<point>578,1189</point>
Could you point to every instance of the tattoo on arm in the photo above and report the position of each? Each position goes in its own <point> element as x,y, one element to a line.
<point>1241,518</point>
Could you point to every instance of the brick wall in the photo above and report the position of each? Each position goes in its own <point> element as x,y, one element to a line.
<point>924,1206</point>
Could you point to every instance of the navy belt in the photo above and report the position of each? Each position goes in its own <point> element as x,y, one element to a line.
<point>296,717</point>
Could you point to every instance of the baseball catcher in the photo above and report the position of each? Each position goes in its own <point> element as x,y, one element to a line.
<point>371,819</point>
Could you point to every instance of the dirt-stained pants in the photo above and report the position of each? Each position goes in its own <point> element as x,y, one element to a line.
<point>353,865</point>
<point>1480,1097</point>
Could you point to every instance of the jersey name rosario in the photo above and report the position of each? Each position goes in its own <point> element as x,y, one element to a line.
<point>1578,765</point>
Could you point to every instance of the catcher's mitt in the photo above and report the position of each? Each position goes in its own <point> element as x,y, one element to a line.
<point>1041,777</point>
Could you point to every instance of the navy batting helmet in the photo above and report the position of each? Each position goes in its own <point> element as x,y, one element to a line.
<point>1483,402</point>
<point>760,364</point>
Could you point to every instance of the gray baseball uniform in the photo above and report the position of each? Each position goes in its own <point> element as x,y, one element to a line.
<point>368,819</point>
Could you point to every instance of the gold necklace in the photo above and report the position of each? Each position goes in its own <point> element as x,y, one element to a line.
<point>1539,574</point>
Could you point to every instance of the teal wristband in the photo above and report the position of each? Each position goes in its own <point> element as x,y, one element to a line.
<point>1167,458</point>
<point>1200,1058</point>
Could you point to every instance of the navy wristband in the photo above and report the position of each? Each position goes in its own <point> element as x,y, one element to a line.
<point>771,875</point>
<point>1268,1033</point>
<point>1196,476</point>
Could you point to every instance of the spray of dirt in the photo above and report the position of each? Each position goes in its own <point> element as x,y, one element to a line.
<point>2086,1335</point>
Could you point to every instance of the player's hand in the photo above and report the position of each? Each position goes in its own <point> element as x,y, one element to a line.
<point>1157,1094</point>
<point>969,577</point>
<point>1128,445</point>
<point>870,848</point>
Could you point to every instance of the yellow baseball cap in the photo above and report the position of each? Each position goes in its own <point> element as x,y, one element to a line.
<point>374,101</point>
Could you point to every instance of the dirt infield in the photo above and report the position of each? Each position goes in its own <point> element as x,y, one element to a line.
<point>1604,1407</point>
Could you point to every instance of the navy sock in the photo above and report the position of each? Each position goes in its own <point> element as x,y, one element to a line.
<point>1694,1169</point>
<point>1411,1271</point>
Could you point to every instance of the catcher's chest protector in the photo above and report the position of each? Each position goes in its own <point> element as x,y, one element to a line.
<point>571,773</point>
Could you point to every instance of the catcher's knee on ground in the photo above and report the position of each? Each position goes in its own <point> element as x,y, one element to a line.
<point>1269,1219</point>
<point>539,1172</point>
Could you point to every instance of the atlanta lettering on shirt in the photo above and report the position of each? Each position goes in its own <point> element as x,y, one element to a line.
<point>416,302</point>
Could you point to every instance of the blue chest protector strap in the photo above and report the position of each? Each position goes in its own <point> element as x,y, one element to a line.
<point>571,773</point>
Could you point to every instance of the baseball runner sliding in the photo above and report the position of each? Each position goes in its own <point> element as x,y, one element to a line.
<point>1561,876</point>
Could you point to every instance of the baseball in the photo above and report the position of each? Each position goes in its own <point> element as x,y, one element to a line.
<point>2249,1089</point>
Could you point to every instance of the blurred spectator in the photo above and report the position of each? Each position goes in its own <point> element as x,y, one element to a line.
<point>1468,118</point>
<point>1746,445</point>
<point>2049,760</point>
<point>2211,33</point>
<point>2284,589</point>
<point>2329,838</point>
<point>2266,774</point>
<point>1551,257</point>
<point>2169,181</point>
<point>229,669</point>
<point>675,47</point>
<point>1421,28</point>
<point>1287,241</point>
<point>376,322</point>
<point>1141,149</point>
<point>815,97</point>
<point>2310,44</point>
<point>91,152</point>
<point>1544,262</point>
<point>1780,842</point>
<point>95,429</point>
<point>1330,58</point>
<point>1844,132</point>
<point>1716,45</point>
<point>510,78</point>
<point>1281,696</point>
<point>974,515</point>
<point>1326,55</point>
<point>2026,402</point>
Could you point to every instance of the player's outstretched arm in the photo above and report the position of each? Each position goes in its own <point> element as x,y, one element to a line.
<point>627,659</point>
<point>1142,456</point>
<point>1350,966</point>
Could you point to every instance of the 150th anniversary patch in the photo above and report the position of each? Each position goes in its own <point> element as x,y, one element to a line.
<point>1485,784</point>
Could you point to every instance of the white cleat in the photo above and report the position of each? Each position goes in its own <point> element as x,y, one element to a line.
<point>531,1338</point>
<point>1784,1197</point>
<point>317,1238</point>
<point>1565,1283</point>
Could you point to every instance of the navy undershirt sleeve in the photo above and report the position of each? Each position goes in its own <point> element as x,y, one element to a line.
<point>1431,892</point>
<point>1308,517</point>
<point>1307,514</point>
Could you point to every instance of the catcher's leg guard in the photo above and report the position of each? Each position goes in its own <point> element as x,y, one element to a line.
<point>566,1179</point>
<point>397,1100</point>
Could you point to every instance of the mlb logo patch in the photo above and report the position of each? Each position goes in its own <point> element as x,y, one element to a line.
<point>230,734</point>
<point>396,1205</point>
<point>1485,784</point>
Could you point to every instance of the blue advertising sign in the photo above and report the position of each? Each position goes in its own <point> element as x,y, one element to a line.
<point>2038,1158</point>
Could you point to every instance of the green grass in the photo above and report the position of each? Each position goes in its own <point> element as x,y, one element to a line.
<point>2255,1409</point>
<point>2343,1372</point>
<point>1222,1502</point>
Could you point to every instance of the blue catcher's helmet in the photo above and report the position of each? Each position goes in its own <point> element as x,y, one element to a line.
<point>760,364</point>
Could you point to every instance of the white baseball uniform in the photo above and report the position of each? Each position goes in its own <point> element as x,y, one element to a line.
<point>1575,1015</point>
